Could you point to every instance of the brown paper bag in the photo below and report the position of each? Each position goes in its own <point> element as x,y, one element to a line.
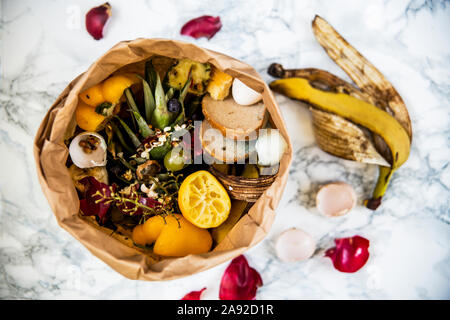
<point>51,154</point>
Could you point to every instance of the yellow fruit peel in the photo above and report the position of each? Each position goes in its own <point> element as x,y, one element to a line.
<point>93,96</point>
<point>87,119</point>
<point>111,90</point>
<point>172,236</point>
<point>114,87</point>
<point>203,200</point>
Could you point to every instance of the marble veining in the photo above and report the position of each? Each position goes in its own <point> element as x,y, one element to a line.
<point>44,46</point>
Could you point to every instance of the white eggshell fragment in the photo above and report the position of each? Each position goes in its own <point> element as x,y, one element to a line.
<point>335,199</point>
<point>295,245</point>
<point>83,159</point>
<point>270,147</point>
<point>244,95</point>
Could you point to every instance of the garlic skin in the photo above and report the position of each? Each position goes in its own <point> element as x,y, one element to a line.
<point>295,245</point>
<point>243,94</point>
<point>82,159</point>
<point>270,147</point>
<point>335,199</point>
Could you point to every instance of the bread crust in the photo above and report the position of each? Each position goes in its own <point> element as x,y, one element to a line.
<point>220,149</point>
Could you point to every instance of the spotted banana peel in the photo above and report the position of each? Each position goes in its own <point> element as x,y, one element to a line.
<point>368,123</point>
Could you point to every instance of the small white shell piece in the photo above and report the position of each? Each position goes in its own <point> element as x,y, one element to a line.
<point>295,245</point>
<point>244,95</point>
<point>81,159</point>
<point>335,199</point>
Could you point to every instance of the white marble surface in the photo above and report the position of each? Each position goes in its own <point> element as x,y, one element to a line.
<point>44,46</point>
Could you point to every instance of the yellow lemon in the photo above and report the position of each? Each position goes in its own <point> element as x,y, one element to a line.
<point>203,200</point>
<point>87,118</point>
<point>173,236</point>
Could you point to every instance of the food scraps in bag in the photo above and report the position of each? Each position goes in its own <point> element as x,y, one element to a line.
<point>144,126</point>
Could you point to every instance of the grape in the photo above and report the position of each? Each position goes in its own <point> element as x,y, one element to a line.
<point>173,105</point>
<point>174,160</point>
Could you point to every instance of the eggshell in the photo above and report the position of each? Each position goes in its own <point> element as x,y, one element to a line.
<point>84,160</point>
<point>243,94</point>
<point>335,199</point>
<point>295,245</point>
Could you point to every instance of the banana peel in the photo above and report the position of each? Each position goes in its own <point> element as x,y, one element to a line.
<point>342,113</point>
<point>345,139</point>
<point>333,133</point>
<point>357,111</point>
<point>352,109</point>
<point>368,78</point>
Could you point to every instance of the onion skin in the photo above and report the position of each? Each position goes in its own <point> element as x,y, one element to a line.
<point>350,254</point>
<point>96,19</point>
<point>204,26</point>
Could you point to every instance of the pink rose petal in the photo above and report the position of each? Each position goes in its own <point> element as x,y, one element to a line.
<point>96,19</point>
<point>350,254</point>
<point>204,26</point>
<point>240,281</point>
<point>193,295</point>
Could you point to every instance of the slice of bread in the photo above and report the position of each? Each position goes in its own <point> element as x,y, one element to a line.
<point>223,149</point>
<point>233,120</point>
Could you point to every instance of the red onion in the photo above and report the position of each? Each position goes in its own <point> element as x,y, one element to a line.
<point>96,19</point>
<point>240,281</point>
<point>193,295</point>
<point>204,26</point>
<point>350,254</point>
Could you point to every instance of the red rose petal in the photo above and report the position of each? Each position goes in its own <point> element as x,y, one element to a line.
<point>193,295</point>
<point>350,254</point>
<point>90,204</point>
<point>240,281</point>
<point>96,19</point>
<point>204,26</point>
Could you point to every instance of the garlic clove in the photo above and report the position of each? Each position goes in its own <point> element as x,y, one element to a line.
<point>88,150</point>
<point>243,94</point>
<point>295,245</point>
<point>270,147</point>
<point>335,199</point>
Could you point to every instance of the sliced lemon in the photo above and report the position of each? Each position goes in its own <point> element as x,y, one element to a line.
<point>203,201</point>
